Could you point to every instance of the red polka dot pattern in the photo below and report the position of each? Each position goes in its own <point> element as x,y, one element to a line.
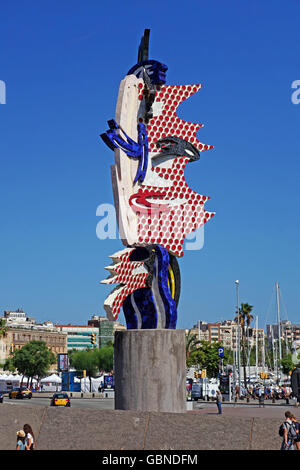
<point>181,210</point>
<point>167,123</point>
<point>123,274</point>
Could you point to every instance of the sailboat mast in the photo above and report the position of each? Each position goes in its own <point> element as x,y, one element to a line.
<point>278,320</point>
<point>256,348</point>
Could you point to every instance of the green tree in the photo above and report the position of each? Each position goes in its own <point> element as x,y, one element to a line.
<point>244,318</point>
<point>287,364</point>
<point>105,358</point>
<point>33,359</point>
<point>3,327</point>
<point>191,346</point>
<point>207,357</point>
<point>8,365</point>
<point>85,360</point>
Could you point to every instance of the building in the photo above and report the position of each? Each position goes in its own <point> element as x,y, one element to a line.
<point>106,329</point>
<point>226,332</point>
<point>17,317</point>
<point>290,332</point>
<point>21,331</point>
<point>80,337</point>
<point>19,336</point>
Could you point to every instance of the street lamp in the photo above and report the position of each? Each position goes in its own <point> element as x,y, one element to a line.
<point>239,339</point>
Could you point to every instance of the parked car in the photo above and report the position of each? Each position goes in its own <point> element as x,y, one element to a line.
<point>20,392</point>
<point>60,399</point>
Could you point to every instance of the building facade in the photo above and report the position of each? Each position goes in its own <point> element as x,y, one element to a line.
<point>107,329</point>
<point>80,337</point>
<point>226,333</point>
<point>290,332</point>
<point>18,335</point>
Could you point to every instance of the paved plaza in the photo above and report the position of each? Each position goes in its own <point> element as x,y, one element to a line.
<point>240,427</point>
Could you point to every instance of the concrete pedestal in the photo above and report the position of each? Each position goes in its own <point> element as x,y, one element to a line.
<point>150,370</point>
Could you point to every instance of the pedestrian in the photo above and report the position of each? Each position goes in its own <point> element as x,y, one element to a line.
<point>20,440</point>
<point>219,402</point>
<point>287,430</point>
<point>297,427</point>
<point>29,440</point>
<point>261,397</point>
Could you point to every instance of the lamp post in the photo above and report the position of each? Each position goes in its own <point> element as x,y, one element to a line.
<point>239,337</point>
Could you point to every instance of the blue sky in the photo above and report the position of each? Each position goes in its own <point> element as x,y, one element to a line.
<point>62,63</point>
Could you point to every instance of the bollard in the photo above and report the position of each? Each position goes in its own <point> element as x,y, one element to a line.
<point>248,399</point>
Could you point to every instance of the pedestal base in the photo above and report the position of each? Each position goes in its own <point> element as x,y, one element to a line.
<point>150,370</point>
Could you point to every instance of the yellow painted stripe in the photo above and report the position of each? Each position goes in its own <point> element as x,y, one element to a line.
<point>172,279</point>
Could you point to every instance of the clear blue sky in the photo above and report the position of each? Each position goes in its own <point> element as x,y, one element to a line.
<point>62,62</point>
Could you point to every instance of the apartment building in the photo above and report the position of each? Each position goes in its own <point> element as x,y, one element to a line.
<point>226,332</point>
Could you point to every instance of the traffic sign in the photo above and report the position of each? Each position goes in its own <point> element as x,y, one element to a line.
<point>221,351</point>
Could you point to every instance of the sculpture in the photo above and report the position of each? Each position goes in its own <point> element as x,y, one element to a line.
<point>155,207</point>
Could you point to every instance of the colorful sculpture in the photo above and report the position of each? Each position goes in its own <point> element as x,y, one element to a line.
<point>155,207</point>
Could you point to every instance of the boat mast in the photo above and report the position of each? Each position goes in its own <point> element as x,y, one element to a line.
<point>256,348</point>
<point>279,326</point>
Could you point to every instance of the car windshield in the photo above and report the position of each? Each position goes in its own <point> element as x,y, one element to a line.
<point>61,395</point>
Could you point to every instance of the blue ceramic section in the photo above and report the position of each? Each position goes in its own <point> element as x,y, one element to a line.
<point>146,316</point>
<point>162,258</point>
<point>138,150</point>
<point>142,307</point>
<point>157,71</point>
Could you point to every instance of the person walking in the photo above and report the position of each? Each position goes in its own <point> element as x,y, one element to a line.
<point>20,440</point>
<point>219,402</point>
<point>261,397</point>
<point>297,427</point>
<point>29,440</point>
<point>288,432</point>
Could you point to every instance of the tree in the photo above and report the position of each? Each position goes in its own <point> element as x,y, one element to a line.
<point>33,359</point>
<point>105,358</point>
<point>244,318</point>
<point>8,365</point>
<point>85,360</point>
<point>190,346</point>
<point>3,327</point>
<point>207,357</point>
<point>287,364</point>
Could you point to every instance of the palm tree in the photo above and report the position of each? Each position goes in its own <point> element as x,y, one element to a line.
<point>244,318</point>
<point>191,343</point>
<point>3,327</point>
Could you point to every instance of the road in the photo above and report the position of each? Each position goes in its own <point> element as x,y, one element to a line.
<point>230,409</point>
<point>94,403</point>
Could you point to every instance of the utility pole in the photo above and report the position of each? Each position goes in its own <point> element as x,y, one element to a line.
<point>239,335</point>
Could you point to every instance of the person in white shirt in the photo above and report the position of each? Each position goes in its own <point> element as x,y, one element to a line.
<point>29,439</point>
